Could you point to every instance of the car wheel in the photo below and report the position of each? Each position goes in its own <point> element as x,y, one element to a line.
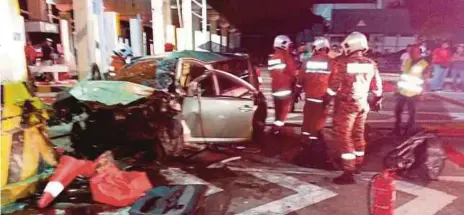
<point>259,120</point>
<point>170,141</point>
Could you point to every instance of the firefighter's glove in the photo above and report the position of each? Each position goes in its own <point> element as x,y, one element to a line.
<point>376,103</point>
<point>326,99</point>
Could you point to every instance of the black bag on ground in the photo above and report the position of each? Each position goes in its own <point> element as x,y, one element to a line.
<point>421,156</point>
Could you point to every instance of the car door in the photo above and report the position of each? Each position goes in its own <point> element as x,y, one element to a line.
<point>219,107</point>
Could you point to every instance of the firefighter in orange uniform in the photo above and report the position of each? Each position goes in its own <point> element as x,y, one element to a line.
<point>352,77</point>
<point>282,68</point>
<point>314,75</point>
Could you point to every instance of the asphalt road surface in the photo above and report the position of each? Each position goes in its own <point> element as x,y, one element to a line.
<point>271,183</point>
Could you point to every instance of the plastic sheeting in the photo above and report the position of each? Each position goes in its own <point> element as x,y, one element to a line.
<point>24,145</point>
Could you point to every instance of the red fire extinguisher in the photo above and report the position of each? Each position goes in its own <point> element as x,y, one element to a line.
<point>382,193</point>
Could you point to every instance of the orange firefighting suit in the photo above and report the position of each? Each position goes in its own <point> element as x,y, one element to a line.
<point>283,70</point>
<point>314,77</point>
<point>351,80</point>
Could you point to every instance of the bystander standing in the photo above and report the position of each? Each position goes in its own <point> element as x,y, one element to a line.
<point>441,61</point>
<point>47,52</point>
<point>30,52</point>
<point>457,68</point>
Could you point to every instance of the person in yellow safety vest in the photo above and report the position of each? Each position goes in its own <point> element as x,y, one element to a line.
<point>410,87</point>
<point>282,68</point>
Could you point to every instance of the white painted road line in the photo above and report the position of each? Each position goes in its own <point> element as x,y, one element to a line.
<point>307,194</point>
<point>428,201</point>
<point>178,176</point>
<point>451,178</point>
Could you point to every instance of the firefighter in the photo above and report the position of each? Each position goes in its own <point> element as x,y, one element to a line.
<point>410,87</point>
<point>282,68</point>
<point>314,75</point>
<point>352,77</point>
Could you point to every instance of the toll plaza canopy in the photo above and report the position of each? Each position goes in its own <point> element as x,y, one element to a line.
<point>376,21</point>
<point>266,17</point>
<point>272,16</point>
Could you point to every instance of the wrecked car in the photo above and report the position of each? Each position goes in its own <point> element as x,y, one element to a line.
<point>221,101</point>
<point>214,106</point>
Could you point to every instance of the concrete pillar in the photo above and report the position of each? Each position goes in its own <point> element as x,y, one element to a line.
<point>85,36</point>
<point>136,36</point>
<point>158,25</point>
<point>187,23</point>
<point>204,14</point>
<point>100,37</point>
<point>37,10</point>
<point>167,13</point>
<point>112,31</point>
<point>12,42</point>
<point>66,40</point>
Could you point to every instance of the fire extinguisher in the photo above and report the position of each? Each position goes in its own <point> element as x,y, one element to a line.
<point>382,193</point>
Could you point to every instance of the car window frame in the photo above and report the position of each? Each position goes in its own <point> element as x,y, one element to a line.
<point>219,73</point>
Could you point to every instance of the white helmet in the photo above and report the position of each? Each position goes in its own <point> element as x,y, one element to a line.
<point>356,41</point>
<point>123,51</point>
<point>320,43</point>
<point>282,42</point>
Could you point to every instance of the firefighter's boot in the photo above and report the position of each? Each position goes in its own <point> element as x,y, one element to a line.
<point>346,178</point>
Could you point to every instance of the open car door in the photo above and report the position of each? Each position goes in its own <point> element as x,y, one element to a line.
<point>219,107</point>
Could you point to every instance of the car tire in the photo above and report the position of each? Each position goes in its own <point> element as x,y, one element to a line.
<point>170,141</point>
<point>259,120</point>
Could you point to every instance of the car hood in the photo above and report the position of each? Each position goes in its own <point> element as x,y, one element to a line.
<point>110,92</point>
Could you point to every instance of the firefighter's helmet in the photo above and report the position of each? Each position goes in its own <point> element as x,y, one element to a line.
<point>356,41</point>
<point>123,51</point>
<point>282,42</point>
<point>320,43</point>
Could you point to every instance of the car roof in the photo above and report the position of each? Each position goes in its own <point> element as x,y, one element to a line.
<point>205,57</point>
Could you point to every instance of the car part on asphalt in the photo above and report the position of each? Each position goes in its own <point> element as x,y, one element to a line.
<point>420,156</point>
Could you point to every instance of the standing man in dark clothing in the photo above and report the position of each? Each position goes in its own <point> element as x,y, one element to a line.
<point>47,51</point>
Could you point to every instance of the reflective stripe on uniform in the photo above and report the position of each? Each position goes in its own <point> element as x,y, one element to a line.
<point>275,64</point>
<point>417,69</point>
<point>411,79</point>
<point>305,133</point>
<point>312,138</point>
<point>317,67</point>
<point>410,87</point>
<point>279,123</point>
<point>278,66</point>
<point>331,92</point>
<point>282,93</point>
<point>355,68</point>
<point>359,153</point>
<point>348,156</point>
<point>314,100</point>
